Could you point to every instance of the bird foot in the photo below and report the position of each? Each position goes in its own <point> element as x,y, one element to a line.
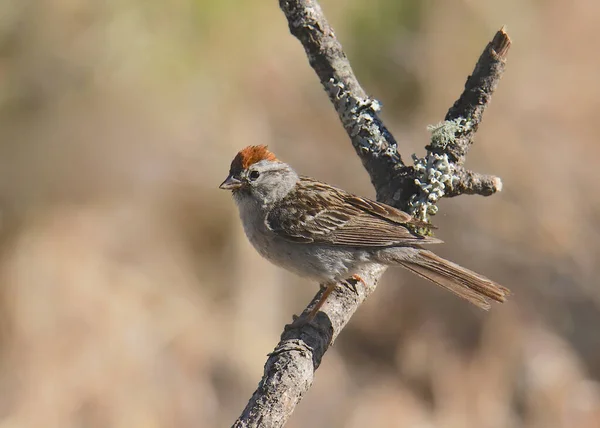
<point>358,278</point>
<point>352,281</point>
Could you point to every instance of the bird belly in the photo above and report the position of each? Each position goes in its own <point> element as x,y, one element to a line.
<point>313,261</point>
<point>318,262</point>
<point>322,264</point>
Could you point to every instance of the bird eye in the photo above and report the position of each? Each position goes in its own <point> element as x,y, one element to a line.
<point>254,175</point>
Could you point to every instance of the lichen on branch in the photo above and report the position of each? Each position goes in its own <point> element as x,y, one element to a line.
<point>289,370</point>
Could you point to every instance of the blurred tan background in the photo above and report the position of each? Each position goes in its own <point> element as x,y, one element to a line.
<point>130,297</point>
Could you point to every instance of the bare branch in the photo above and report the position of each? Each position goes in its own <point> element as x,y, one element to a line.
<point>473,183</point>
<point>290,368</point>
<point>476,96</point>
<point>373,143</point>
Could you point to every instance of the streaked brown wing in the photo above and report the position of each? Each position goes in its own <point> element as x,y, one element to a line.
<point>386,211</point>
<point>332,216</point>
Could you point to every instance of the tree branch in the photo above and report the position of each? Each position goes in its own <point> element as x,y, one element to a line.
<point>290,368</point>
<point>477,94</point>
<point>373,143</point>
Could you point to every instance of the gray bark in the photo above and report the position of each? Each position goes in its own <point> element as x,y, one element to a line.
<point>290,368</point>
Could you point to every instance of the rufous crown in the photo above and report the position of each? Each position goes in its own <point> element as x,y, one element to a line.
<point>251,155</point>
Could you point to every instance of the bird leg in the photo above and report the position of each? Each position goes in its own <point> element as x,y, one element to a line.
<point>328,289</point>
<point>299,322</point>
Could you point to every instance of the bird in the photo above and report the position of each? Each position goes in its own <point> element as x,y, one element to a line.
<point>328,235</point>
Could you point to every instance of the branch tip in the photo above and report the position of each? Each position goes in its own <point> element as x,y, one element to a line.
<point>501,43</point>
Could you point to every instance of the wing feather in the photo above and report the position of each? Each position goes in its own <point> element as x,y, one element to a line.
<point>334,217</point>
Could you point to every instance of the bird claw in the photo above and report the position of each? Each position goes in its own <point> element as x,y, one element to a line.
<point>352,281</point>
<point>358,278</point>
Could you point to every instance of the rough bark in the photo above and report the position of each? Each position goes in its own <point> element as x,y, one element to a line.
<point>290,368</point>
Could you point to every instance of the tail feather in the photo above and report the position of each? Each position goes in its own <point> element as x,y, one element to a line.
<point>463,282</point>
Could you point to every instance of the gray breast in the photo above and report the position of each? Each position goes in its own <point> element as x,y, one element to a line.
<point>318,262</point>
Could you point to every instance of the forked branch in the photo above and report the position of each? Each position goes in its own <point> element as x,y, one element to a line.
<point>290,368</point>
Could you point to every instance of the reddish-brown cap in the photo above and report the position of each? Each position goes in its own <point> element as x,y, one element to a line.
<point>249,156</point>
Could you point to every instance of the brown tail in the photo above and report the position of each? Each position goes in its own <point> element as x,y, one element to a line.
<point>462,282</point>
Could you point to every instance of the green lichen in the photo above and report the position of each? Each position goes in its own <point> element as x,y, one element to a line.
<point>434,173</point>
<point>358,117</point>
<point>445,132</point>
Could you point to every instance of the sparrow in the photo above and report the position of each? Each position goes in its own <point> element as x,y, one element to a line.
<point>328,235</point>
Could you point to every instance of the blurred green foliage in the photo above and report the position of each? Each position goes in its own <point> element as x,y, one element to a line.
<point>380,44</point>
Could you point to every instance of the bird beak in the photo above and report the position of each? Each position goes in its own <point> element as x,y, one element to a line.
<point>230,183</point>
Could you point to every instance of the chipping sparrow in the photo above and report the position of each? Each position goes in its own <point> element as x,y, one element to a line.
<point>326,234</point>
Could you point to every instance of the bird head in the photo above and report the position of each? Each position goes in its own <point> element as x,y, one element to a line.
<point>255,171</point>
